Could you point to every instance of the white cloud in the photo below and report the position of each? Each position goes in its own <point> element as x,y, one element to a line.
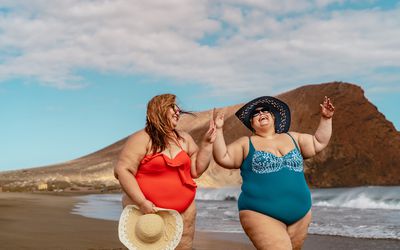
<point>255,44</point>
<point>324,3</point>
<point>232,16</point>
<point>272,6</point>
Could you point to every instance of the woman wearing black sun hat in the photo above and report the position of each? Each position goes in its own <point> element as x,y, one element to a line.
<point>275,202</point>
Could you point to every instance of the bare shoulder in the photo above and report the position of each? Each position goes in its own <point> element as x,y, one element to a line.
<point>303,140</point>
<point>300,137</point>
<point>187,138</point>
<point>134,150</point>
<point>139,135</point>
<point>138,138</point>
<point>241,141</point>
<point>184,134</point>
<point>188,144</point>
<point>295,135</point>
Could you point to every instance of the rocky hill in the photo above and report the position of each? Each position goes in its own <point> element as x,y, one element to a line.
<point>364,148</point>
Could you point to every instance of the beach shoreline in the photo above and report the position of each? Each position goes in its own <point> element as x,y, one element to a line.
<point>44,221</point>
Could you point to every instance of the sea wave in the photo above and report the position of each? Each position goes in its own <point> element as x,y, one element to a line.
<point>218,194</point>
<point>360,197</point>
<point>371,197</point>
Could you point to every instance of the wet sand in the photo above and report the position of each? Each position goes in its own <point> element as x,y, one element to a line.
<point>44,221</point>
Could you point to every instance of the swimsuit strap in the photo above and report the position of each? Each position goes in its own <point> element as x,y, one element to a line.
<point>246,164</point>
<point>179,145</point>
<point>251,146</point>
<point>295,144</point>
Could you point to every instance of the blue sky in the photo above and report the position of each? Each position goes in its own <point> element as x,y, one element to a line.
<point>75,75</point>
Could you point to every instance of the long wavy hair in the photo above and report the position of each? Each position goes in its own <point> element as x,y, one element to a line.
<point>158,126</point>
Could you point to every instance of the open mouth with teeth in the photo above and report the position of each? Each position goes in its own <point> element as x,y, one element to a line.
<point>263,118</point>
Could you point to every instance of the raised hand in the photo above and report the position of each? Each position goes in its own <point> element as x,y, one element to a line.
<point>327,108</point>
<point>219,120</point>
<point>211,132</point>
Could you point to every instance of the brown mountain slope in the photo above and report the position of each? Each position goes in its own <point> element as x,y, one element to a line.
<point>364,148</point>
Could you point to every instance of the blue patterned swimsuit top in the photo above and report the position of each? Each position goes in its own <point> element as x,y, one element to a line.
<point>275,185</point>
<point>266,162</point>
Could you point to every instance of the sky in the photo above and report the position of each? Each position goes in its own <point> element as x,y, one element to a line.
<point>76,75</point>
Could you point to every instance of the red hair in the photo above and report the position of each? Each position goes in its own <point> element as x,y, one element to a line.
<point>158,126</point>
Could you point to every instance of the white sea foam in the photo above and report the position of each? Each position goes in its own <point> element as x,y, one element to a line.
<point>218,194</point>
<point>360,197</point>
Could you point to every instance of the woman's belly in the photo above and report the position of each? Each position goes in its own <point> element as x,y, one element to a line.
<point>283,195</point>
<point>166,190</point>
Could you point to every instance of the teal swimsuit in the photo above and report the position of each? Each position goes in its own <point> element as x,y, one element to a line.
<point>275,186</point>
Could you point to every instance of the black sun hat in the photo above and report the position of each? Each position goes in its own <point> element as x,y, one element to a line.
<point>277,107</point>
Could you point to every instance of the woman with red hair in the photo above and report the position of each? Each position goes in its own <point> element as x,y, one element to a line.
<point>158,163</point>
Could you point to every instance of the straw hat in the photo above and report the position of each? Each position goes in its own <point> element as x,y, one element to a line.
<point>277,107</point>
<point>159,231</point>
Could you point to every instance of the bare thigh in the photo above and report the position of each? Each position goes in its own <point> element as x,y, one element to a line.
<point>189,222</point>
<point>265,232</point>
<point>298,231</point>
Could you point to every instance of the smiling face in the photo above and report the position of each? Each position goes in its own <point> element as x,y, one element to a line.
<point>163,113</point>
<point>161,120</point>
<point>173,115</point>
<point>263,119</point>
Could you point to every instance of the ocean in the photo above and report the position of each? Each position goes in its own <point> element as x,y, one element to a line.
<point>361,212</point>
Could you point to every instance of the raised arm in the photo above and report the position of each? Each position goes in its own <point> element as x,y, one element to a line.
<point>133,152</point>
<point>201,156</point>
<point>310,145</point>
<point>230,156</point>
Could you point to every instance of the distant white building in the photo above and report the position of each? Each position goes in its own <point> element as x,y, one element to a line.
<point>42,186</point>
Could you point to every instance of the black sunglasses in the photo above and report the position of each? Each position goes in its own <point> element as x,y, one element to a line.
<point>257,112</point>
<point>176,108</point>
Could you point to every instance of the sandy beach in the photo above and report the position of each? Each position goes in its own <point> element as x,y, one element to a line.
<point>44,221</point>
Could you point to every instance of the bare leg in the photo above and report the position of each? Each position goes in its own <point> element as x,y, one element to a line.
<point>265,232</point>
<point>298,231</point>
<point>189,221</point>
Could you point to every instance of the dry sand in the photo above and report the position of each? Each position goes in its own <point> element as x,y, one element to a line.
<point>38,221</point>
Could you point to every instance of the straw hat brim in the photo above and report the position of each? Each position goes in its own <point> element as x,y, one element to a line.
<point>171,235</point>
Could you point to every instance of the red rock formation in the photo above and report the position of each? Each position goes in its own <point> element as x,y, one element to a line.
<point>364,148</point>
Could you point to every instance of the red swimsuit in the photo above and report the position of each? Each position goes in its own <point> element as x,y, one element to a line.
<point>167,182</point>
